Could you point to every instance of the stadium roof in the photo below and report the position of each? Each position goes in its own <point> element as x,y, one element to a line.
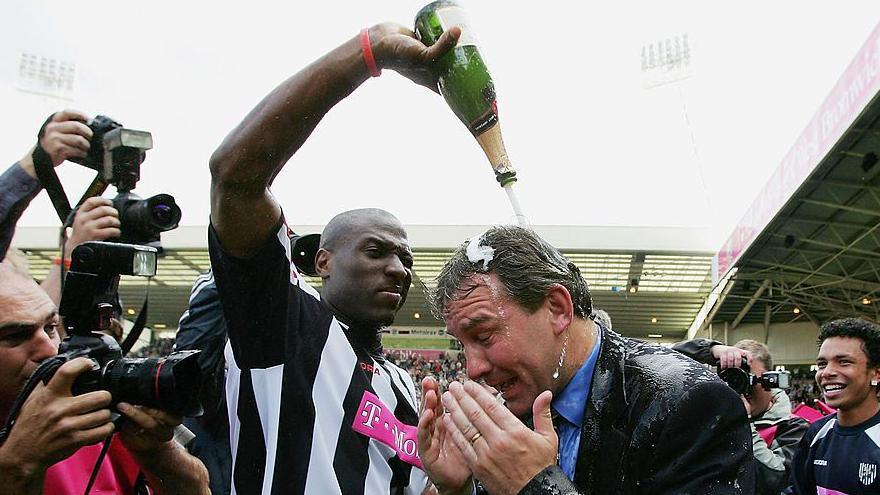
<point>670,281</point>
<point>809,247</point>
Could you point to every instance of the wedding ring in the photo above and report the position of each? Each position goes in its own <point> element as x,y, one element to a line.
<point>476,437</point>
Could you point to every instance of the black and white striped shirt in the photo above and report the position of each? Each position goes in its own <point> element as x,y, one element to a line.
<point>300,395</point>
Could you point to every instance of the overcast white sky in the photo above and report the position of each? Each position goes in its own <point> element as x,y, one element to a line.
<point>592,146</point>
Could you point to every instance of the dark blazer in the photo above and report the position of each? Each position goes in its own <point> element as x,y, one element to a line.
<point>656,422</point>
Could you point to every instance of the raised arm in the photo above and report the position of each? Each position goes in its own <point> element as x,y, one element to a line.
<point>64,135</point>
<point>243,211</point>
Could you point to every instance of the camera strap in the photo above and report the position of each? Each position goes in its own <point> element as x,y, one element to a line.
<point>49,179</point>
<point>135,333</point>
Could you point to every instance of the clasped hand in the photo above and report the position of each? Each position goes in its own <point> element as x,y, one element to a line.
<point>477,435</point>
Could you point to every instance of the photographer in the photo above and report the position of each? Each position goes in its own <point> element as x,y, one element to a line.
<point>775,430</point>
<point>63,136</point>
<point>50,449</point>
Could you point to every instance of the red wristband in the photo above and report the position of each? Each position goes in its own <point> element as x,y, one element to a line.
<point>367,49</point>
<point>57,261</point>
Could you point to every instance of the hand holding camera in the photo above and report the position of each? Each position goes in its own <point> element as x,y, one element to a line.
<point>729,356</point>
<point>740,377</point>
<point>95,220</point>
<point>53,424</point>
<point>146,429</point>
<point>65,135</point>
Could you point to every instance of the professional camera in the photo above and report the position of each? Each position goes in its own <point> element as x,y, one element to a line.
<point>742,379</point>
<point>117,153</point>
<point>168,383</point>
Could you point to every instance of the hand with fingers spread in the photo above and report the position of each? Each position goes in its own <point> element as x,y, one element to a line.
<point>53,424</point>
<point>442,460</point>
<point>729,356</point>
<point>498,448</point>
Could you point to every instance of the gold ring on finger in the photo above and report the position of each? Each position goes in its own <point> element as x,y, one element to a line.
<point>476,437</point>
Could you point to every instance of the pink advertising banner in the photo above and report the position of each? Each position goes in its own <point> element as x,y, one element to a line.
<point>853,91</point>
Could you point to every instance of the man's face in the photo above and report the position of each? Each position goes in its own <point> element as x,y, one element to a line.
<point>505,345</point>
<point>28,334</point>
<point>760,399</point>
<point>367,278</point>
<point>843,373</point>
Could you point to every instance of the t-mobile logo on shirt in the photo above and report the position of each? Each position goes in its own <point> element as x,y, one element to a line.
<point>375,420</point>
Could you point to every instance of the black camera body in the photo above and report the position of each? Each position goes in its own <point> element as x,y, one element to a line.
<point>117,153</point>
<point>168,383</point>
<point>142,220</point>
<point>741,379</point>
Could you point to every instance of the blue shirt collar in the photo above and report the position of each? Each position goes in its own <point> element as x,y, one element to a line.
<point>570,404</point>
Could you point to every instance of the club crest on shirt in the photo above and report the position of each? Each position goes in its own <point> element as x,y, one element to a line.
<point>867,473</point>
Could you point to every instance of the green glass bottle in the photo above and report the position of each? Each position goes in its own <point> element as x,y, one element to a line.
<point>465,82</point>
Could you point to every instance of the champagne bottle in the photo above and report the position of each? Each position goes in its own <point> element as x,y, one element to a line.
<point>465,83</point>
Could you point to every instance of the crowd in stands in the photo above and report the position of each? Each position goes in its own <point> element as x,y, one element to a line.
<point>804,391</point>
<point>448,368</point>
<point>159,348</point>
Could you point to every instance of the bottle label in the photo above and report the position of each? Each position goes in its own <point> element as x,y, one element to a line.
<point>456,16</point>
<point>485,121</point>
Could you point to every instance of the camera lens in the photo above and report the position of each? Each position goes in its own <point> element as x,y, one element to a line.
<point>169,383</point>
<point>736,378</point>
<point>143,219</point>
<point>163,214</point>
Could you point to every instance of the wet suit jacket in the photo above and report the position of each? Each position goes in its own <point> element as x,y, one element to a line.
<point>656,422</point>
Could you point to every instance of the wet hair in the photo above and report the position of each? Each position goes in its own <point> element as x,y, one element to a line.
<point>526,264</point>
<point>758,350</point>
<point>857,328</point>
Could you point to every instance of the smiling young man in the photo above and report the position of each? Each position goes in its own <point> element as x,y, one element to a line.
<point>632,417</point>
<point>840,453</point>
<point>313,405</point>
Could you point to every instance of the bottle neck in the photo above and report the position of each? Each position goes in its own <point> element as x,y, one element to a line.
<point>493,146</point>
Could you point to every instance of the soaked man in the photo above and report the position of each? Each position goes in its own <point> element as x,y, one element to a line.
<point>587,410</point>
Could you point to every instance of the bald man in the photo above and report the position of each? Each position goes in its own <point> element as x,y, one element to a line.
<point>313,405</point>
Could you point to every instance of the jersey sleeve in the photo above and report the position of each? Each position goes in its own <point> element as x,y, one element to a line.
<point>266,303</point>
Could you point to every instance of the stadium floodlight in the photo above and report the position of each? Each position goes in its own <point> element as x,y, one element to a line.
<point>667,60</point>
<point>46,76</point>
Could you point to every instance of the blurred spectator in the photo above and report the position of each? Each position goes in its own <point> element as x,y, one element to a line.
<point>446,369</point>
<point>161,347</point>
